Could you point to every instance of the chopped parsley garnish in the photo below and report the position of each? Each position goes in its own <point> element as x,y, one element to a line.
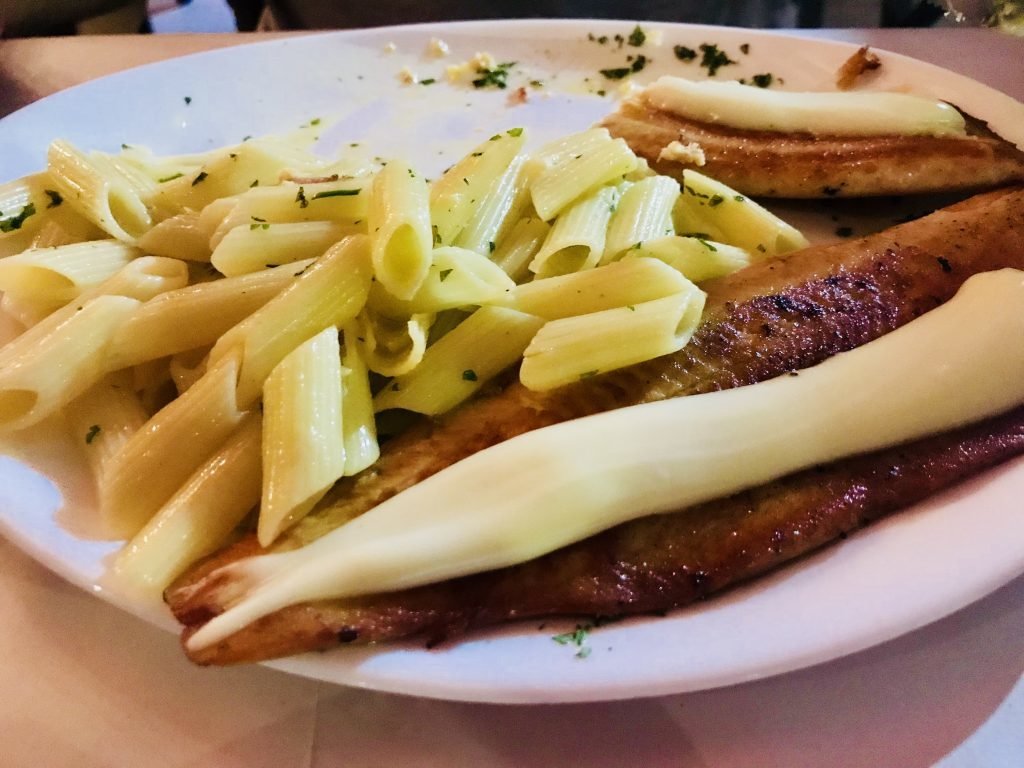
<point>690,190</point>
<point>469,375</point>
<point>494,77</point>
<point>738,198</point>
<point>255,183</point>
<point>259,225</point>
<point>336,193</point>
<point>428,81</point>
<point>172,177</point>
<point>706,244</point>
<point>94,430</point>
<point>763,80</point>
<point>684,54</point>
<point>515,132</point>
<point>616,74</point>
<point>716,200</point>
<point>55,198</point>
<point>761,248</point>
<point>588,374</point>
<point>745,48</point>
<point>188,100</point>
<point>536,83</point>
<point>713,58</point>
<point>443,274</point>
<point>315,121</point>
<point>490,246</point>
<point>436,234</point>
<point>577,638</point>
<point>201,177</point>
<point>636,37</point>
<point>300,198</point>
<point>14,222</point>
<point>631,307</point>
<point>639,63</point>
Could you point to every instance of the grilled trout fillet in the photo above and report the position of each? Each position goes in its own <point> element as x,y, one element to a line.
<point>794,165</point>
<point>771,318</point>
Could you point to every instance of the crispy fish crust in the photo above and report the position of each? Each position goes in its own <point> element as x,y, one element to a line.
<point>769,319</point>
<point>796,165</point>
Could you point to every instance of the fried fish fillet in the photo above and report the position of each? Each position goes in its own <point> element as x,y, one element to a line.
<point>771,318</point>
<point>801,165</point>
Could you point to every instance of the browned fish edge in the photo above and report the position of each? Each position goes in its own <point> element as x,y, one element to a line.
<point>801,165</point>
<point>774,317</point>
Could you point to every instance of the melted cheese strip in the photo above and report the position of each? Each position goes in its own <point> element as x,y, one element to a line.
<point>520,499</point>
<point>861,113</point>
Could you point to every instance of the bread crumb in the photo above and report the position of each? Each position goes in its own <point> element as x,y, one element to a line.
<point>687,154</point>
<point>437,47</point>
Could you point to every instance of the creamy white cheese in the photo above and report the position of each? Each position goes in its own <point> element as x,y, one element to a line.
<point>860,113</point>
<point>958,364</point>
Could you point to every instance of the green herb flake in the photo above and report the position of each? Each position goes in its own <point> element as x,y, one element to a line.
<point>636,37</point>
<point>188,100</point>
<point>494,77</point>
<point>259,225</point>
<point>477,154</point>
<point>428,81</point>
<point>94,430</point>
<point>315,121</point>
<point>707,245</point>
<point>336,193</point>
<point>715,200</point>
<point>761,248</point>
<point>436,234</point>
<point>490,246</point>
<point>201,177</point>
<point>631,307</point>
<point>55,198</point>
<point>300,197</point>
<point>763,80</point>
<point>684,54</point>
<point>255,183</point>
<point>738,198</point>
<point>469,375</point>
<point>583,652</point>
<point>639,63</point>
<point>536,83</point>
<point>443,274</point>
<point>588,374</point>
<point>515,132</point>
<point>14,222</point>
<point>713,58</point>
<point>616,74</point>
<point>172,177</point>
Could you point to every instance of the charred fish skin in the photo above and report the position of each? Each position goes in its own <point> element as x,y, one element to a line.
<point>653,564</point>
<point>791,165</point>
<point>764,321</point>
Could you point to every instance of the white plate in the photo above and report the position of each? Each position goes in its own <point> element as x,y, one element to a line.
<point>890,579</point>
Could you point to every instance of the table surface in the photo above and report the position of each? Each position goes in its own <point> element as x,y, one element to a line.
<point>88,685</point>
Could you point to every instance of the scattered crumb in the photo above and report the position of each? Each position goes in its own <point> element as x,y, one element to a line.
<point>457,73</point>
<point>437,47</point>
<point>655,37</point>
<point>855,66</point>
<point>407,76</point>
<point>518,96</point>
<point>688,154</point>
<point>390,48</point>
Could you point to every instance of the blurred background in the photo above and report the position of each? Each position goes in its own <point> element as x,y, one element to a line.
<point>24,18</point>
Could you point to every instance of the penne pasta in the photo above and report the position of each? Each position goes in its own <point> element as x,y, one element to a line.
<point>392,347</point>
<point>358,426</point>
<point>178,237</point>
<point>619,284</point>
<point>575,348</point>
<point>262,245</point>
<point>697,259</point>
<point>644,212</point>
<point>715,211</point>
<point>486,343</point>
<point>303,437</point>
<point>329,293</point>
<point>160,457</point>
<point>494,214</point>
<point>199,517</point>
<point>577,238</point>
<point>400,232</point>
<point>515,252</point>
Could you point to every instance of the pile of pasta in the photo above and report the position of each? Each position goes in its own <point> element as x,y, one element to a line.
<point>218,331</point>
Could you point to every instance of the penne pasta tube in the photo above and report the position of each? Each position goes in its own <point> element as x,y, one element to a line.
<point>515,252</point>
<point>498,210</point>
<point>262,245</point>
<point>357,420</point>
<point>331,292</point>
<point>457,278</point>
<point>303,436</point>
<point>102,420</point>
<point>186,368</point>
<point>178,237</point>
<point>459,195</point>
<point>400,229</point>
<point>33,214</point>
<point>717,212</point>
<point>55,276</point>
<point>575,348</point>
<point>644,212</point>
<point>619,284</point>
<point>42,372</point>
<point>158,459</point>
<point>486,343</point>
<point>697,259</point>
<point>577,238</point>
<point>199,517</point>
<point>344,201</point>
<point>392,347</point>
<point>574,175</point>
<point>100,191</point>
